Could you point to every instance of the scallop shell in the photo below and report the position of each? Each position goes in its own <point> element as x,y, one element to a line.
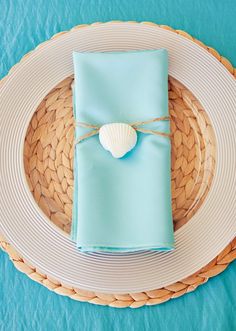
<point>117,138</point>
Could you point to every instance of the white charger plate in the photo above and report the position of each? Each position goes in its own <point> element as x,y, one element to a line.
<point>48,248</point>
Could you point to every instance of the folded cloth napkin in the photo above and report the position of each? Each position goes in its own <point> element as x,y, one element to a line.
<point>122,204</point>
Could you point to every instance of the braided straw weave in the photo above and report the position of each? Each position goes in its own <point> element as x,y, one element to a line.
<point>48,161</point>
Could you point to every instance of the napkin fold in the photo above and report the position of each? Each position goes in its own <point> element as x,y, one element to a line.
<point>122,204</point>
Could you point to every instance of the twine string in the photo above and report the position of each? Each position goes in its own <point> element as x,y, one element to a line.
<point>153,120</point>
<point>135,125</point>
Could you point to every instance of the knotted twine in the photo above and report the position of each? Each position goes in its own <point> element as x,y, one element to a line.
<point>134,125</point>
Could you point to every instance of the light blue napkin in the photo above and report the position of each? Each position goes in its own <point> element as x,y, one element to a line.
<point>122,204</point>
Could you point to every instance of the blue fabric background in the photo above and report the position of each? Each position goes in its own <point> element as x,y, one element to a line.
<point>25,305</point>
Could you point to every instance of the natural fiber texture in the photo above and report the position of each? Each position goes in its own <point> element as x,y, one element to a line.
<point>134,125</point>
<point>48,154</point>
<point>48,159</point>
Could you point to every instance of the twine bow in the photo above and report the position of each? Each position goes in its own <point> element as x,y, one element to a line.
<point>135,125</point>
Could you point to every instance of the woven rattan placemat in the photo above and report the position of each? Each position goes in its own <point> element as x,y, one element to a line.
<point>48,161</point>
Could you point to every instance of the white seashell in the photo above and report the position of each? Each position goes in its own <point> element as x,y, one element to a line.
<point>117,138</point>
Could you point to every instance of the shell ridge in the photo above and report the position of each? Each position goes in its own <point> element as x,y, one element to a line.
<point>117,138</point>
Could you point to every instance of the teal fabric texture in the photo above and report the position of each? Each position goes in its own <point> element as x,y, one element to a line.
<point>28,306</point>
<point>122,204</point>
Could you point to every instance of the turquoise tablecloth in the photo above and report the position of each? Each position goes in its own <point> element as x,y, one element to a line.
<point>27,306</point>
